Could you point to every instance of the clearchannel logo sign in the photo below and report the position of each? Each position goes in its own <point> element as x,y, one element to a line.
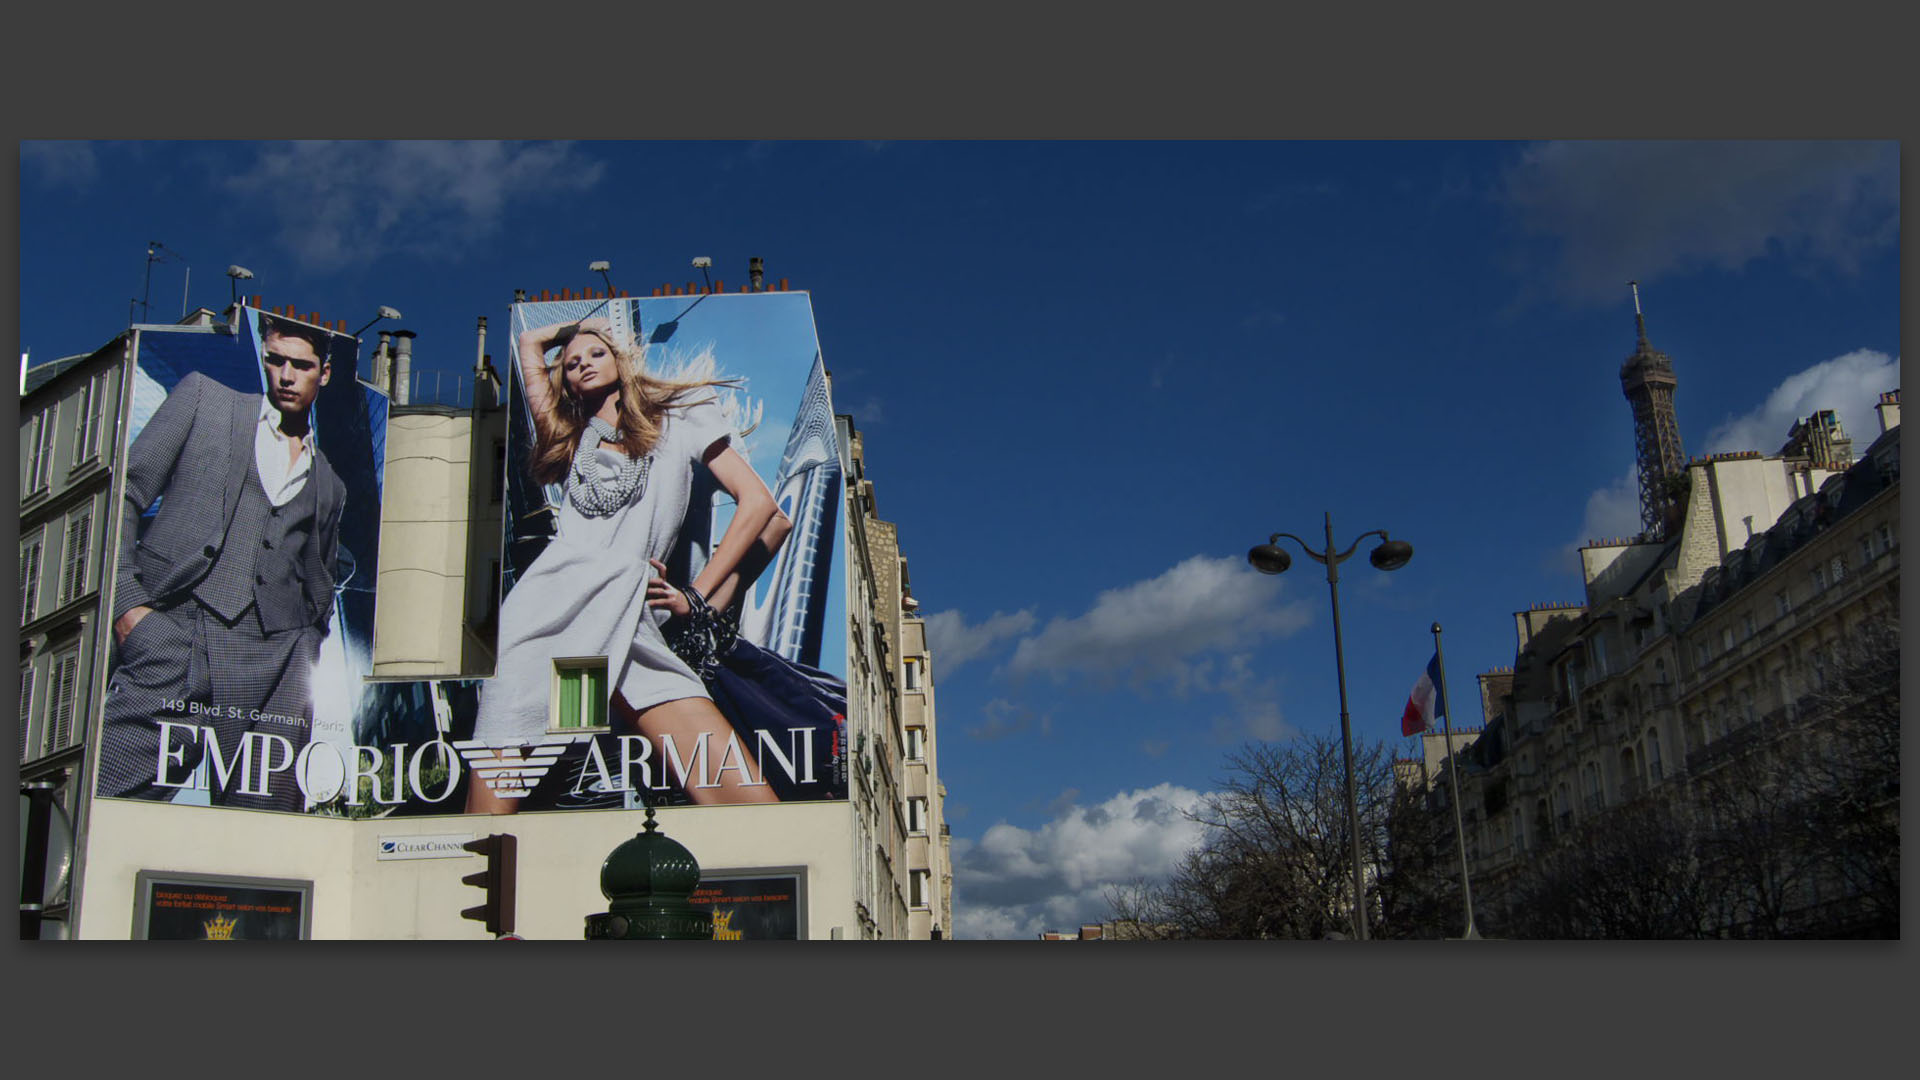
<point>437,846</point>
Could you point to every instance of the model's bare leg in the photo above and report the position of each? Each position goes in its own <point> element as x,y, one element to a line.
<point>686,720</point>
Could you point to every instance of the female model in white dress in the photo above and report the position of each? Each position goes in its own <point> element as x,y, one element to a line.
<point>626,445</point>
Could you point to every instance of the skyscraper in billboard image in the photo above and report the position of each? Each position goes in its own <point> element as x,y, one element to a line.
<point>664,625</point>
<point>243,604</point>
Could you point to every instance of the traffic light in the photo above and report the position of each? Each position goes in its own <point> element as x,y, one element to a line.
<point>498,879</point>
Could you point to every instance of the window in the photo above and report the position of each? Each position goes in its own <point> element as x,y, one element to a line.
<point>30,551</point>
<point>497,483</point>
<point>1886,537</point>
<point>26,706</point>
<point>580,694</point>
<point>917,891</point>
<point>1866,549</point>
<point>1781,605</point>
<point>913,673</point>
<point>1726,639</point>
<point>916,744</point>
<point>73,572</point>
<point>65,685</point>
<point>40,449</point>
<point>916,815</point>
<point>1746,624</point>
<point>86,435</point>
<point>1599,657</point>
<point>1653,756</point>
<point>1837,569</point>
<point>1818,576</point>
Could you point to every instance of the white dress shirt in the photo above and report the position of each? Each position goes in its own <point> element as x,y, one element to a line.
<point>271,447</point>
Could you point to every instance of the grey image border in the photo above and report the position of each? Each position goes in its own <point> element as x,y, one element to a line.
<point>145,880</point>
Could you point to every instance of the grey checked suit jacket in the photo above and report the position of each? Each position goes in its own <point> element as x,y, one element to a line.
<point>194,455</point>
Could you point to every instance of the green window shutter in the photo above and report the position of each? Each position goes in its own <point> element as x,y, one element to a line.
<point>569,698</point>
<point>593,690</point>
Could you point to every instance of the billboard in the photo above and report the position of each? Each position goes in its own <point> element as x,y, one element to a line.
<point>752,908</point>
<point>247,547</point>
<point>200,907</point>
<point>672,612</point>
<point>672,620</point>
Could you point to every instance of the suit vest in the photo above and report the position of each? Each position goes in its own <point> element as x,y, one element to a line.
<point>264,558</point>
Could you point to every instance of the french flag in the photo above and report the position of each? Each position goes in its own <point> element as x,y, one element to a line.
<point>1426,701</point>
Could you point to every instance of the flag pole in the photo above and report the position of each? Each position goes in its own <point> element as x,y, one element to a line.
<point>1453,775</point>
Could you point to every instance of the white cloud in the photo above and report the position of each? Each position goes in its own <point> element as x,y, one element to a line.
<point>952,642</point>
<point>1613,511</point>
<point>1154,629</point>
<point>344,202</point>
<point>1639,210</point>
<point>59,162</point>
<point>1848,384</point>
<point>1016,883</point>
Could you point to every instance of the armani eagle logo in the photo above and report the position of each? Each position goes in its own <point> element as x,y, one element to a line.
<point>513,770</point>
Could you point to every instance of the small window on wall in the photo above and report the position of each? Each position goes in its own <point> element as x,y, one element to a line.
<point>30,553</point>
<point>40,450</point>
<point>916,744</point>
<point>65,685</point>
<point>913,673</point>
<point>916,815</point>
<point>73,574</point>
<point>86,436</point>
<point>580,694</point>
<point>917,891</point>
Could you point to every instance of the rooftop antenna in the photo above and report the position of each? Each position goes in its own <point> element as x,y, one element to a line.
<point>159,252</point>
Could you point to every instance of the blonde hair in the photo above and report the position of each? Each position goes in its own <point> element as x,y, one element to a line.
<point>642,403</point>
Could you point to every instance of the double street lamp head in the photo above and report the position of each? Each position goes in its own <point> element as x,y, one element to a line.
<point>1273,559</point>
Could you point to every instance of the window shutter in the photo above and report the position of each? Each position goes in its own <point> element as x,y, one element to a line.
<point>83,423</point>
<point>26,707</point>
<point>60,716</point>
<point>43,452</point>
<point>73,579</point>
<point>29,579</point>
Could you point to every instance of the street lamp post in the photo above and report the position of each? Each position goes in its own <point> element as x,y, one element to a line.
<point>1391,554</point>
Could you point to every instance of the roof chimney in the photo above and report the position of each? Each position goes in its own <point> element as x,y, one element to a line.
<point>402,366</point>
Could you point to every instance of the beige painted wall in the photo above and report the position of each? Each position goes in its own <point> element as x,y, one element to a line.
<point>357,895</point>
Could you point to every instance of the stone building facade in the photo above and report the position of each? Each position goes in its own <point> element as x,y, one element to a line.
<point>1688,654</point>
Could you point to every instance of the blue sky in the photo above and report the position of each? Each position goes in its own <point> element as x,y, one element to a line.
<point>1091,375</point>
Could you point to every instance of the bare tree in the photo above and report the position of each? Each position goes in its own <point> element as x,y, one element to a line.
<point>1632,873</point>
<point>1277,857</point>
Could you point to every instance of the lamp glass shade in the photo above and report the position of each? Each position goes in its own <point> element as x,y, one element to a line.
<point>1391,555</point>
<point>1269,559</point>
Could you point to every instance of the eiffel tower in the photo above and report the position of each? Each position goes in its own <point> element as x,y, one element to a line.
<point>1647,378</point>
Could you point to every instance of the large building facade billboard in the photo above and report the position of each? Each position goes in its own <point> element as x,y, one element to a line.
<point>672,623</point>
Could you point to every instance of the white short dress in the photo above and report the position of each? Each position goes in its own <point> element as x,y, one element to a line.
<point>585,596</point>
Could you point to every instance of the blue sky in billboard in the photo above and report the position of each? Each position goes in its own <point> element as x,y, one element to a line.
<point>1091,375</point>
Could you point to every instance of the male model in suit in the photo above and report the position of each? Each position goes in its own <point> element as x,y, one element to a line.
<point>221,605</point>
